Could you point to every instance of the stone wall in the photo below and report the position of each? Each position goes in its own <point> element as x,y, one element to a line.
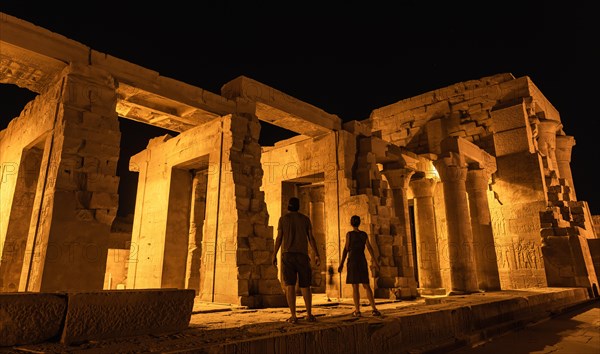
<point>21,152</point>
<point>511,120</point>
<point>75,198</point>
<point>299,161</point>
<point>235,241</point>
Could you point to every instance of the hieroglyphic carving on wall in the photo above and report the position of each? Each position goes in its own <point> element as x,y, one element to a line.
<point>23,74</point>
<point>520,254</point>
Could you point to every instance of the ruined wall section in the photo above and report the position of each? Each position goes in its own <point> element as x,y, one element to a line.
<point>421,122</point>
<point>513,121</point>
<point>236,243</point>
<point>310,160</point>
<point>71,194</point>
<point>518,197</point>
<point>388,236</point>
<point>20,163</point>
<point>258,285</point>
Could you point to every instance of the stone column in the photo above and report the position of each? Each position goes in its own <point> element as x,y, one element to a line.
<point>564,146</point>
<point>453,173</point>
<point>547,142</point>
<point>197,215</point>
<point>398,180</point>
<point>77,199</point>
<point>427,250</point>
<point>483,236</point>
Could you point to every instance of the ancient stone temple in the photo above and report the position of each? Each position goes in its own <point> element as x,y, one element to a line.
<point>463,189</point>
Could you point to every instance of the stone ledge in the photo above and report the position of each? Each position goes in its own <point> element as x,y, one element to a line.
<point>30,317</point>
<point>125,313</point>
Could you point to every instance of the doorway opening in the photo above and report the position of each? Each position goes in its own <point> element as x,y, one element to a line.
<point>311,192</point>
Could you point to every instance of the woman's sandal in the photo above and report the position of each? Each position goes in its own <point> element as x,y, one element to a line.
<point>311,318</point>
<point>376,313</point>
<point>356,314</point>
<point>292,320</point>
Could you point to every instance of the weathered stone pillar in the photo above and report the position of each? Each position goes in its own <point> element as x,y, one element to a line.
<point>547,142</point>
<point>398,180</point>
<point>197,215</point>
<point>564,146</point>
<point>12,250</point>
<point>77,198</point>
<point>453,173</point>
<point>486,263</point>
<point>428,263</point>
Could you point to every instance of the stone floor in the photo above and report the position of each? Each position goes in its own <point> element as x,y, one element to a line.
<point>214,325</point>
<point>575,332</point>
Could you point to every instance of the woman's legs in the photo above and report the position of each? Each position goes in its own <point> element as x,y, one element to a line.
<point>369,295</point>
<point>356,297</point>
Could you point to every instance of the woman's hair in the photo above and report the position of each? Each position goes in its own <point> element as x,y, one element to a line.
<point>355,220</point>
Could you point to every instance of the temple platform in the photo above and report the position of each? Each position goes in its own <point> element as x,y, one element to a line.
<point>436,324</point>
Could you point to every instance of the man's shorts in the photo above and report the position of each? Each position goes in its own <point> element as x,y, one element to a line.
<point>296,265</point>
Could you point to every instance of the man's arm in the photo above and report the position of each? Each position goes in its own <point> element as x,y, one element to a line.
<point>313,244</point>
<point>278,240</point>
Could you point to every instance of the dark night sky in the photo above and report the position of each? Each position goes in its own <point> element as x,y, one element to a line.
<point>346,59</point>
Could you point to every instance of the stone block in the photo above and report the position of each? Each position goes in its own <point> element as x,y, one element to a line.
<point>512,141</point>
<point>101,200</point>
<point>243,288</point>
<point>268,272</point>
<point>105,216</point>
<point>257,243</point>
<point>509,118</point>
<point>97,182</point>
<point>269,286</point>
<point>98,122</point>
<point>27,318</point>
<point>124,313</point>
<point>274,300</point>
<point>263,231</point>
<point>244,272</point>
<point>261,257</point>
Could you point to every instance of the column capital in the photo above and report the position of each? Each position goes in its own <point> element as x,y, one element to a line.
<point>564,146</point>
<point>423,187</point>
<point>398,178</point>
<point>452,168</point>
<point>548,126</point>
<point>546,136</point>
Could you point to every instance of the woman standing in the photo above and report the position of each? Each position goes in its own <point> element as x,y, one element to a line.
<point>358,272</point>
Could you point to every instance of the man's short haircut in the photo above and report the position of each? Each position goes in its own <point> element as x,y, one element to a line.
<point>294,204</point>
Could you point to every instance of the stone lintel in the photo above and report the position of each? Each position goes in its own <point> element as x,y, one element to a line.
<point>280,109</point>
<point>27,69</point>
<point>139,83</point>
<point>471,153</point>
<point>390,154</point>
<point>33,56</point>
<point>44,43</point>
<point>153,109</point>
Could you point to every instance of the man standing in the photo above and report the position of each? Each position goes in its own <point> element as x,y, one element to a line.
<point>294,233</point>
